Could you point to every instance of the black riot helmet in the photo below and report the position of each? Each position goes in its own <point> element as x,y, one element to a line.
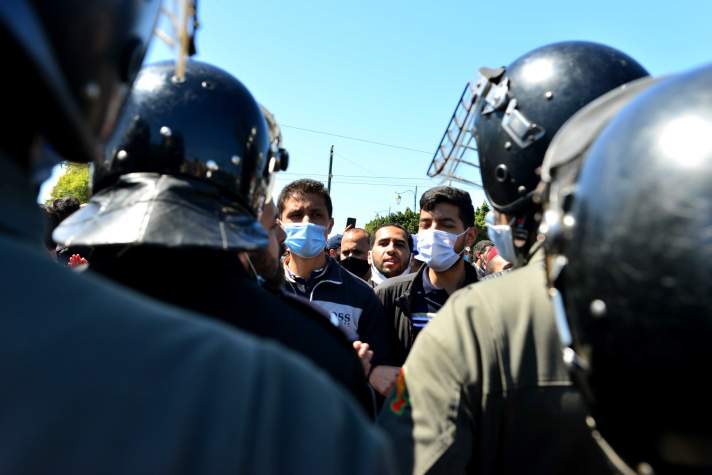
<point>190,165</point>
<point>523,105</point>
<point>629,258</point>
<point>72,65</point>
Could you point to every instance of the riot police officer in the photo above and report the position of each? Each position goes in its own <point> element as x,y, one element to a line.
<point>629,269</point>
<point>484,389</point>
<point>176,199</point>
<point>96,378</point>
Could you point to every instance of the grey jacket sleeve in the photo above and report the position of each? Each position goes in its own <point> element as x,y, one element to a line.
<point>428,415</point>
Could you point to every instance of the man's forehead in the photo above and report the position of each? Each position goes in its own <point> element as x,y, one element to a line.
<point>305,201</point>
<point>390,232</point>
<point>348,244</point>
<point>441,211</point>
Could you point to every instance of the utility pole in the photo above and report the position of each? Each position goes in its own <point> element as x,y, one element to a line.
<point>331,164</point>
<point>415,210</point>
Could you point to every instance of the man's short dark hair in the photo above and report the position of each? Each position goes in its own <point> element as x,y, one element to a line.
<point>453,196</point>
<point>408,237</point>
<point>56,212</point>
<point>63,207</point>
<point>300,188</point>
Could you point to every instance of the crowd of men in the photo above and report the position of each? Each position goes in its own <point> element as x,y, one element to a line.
<point>216,328</point>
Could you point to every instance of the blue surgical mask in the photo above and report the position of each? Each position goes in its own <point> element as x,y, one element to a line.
<point>305,240</point>
<point>501,236</point>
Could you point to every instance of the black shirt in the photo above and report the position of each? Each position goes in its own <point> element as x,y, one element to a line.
<point>410,302</point>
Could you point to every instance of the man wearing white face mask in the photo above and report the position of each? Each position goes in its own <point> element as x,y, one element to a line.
<point>445,229</point>
<point>486,378</point>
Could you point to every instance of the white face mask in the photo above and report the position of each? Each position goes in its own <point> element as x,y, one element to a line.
<point>436,249</point>
<point>379,278</point>
<point>501,236</point>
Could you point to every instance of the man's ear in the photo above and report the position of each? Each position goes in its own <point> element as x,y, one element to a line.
<point>369,258</point>
<point>470,236</point>
<point>331,225</point>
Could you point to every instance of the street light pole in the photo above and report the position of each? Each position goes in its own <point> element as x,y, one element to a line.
<point>331,164</point>
<point>415,197</point>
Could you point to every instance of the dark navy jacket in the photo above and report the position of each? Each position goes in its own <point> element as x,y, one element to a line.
<point>352,305</point>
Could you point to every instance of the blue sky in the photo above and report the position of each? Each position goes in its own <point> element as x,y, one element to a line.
<point>392,71</point>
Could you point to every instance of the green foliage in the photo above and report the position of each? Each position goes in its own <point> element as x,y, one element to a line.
<point>480,214</point>
<point>74,182</point>
<point>408,219</point>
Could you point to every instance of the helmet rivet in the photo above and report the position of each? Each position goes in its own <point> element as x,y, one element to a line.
<point>121,155</point>
<point>507,145</point>
<point>166,131</point>
<point>645,469</point>
<point>549,95</point>
<point>598,308</point>
<point>501,173</point>
<point>207,85</point>
<point>522,189</point>
<point>92,90</point>
<point>235,160</point>
<point>212,166</point>
<point>590,422</point>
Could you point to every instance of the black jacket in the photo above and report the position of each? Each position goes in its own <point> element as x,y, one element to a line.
<point>399,296</point>
<point>215,284</point>
<point>97,379</point>
<point>352,305</point>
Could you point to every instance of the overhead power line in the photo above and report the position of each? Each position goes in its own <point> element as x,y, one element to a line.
<point>430,180</point>
<point>355,163</point>
<point>356,139</point>
<point>390,185</point>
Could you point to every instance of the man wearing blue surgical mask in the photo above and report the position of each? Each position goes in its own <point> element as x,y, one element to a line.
<point>445,229</point>
<point>305,210</point>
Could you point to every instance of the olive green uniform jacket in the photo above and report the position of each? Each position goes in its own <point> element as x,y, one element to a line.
<point>484,389</point>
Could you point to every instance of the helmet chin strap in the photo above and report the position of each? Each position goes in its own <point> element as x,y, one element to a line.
<point>615,460</point>
<point>258,278</point>
<point>524,236</point>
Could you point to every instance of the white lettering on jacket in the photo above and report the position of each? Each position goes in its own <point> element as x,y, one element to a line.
<point>346,315</point>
